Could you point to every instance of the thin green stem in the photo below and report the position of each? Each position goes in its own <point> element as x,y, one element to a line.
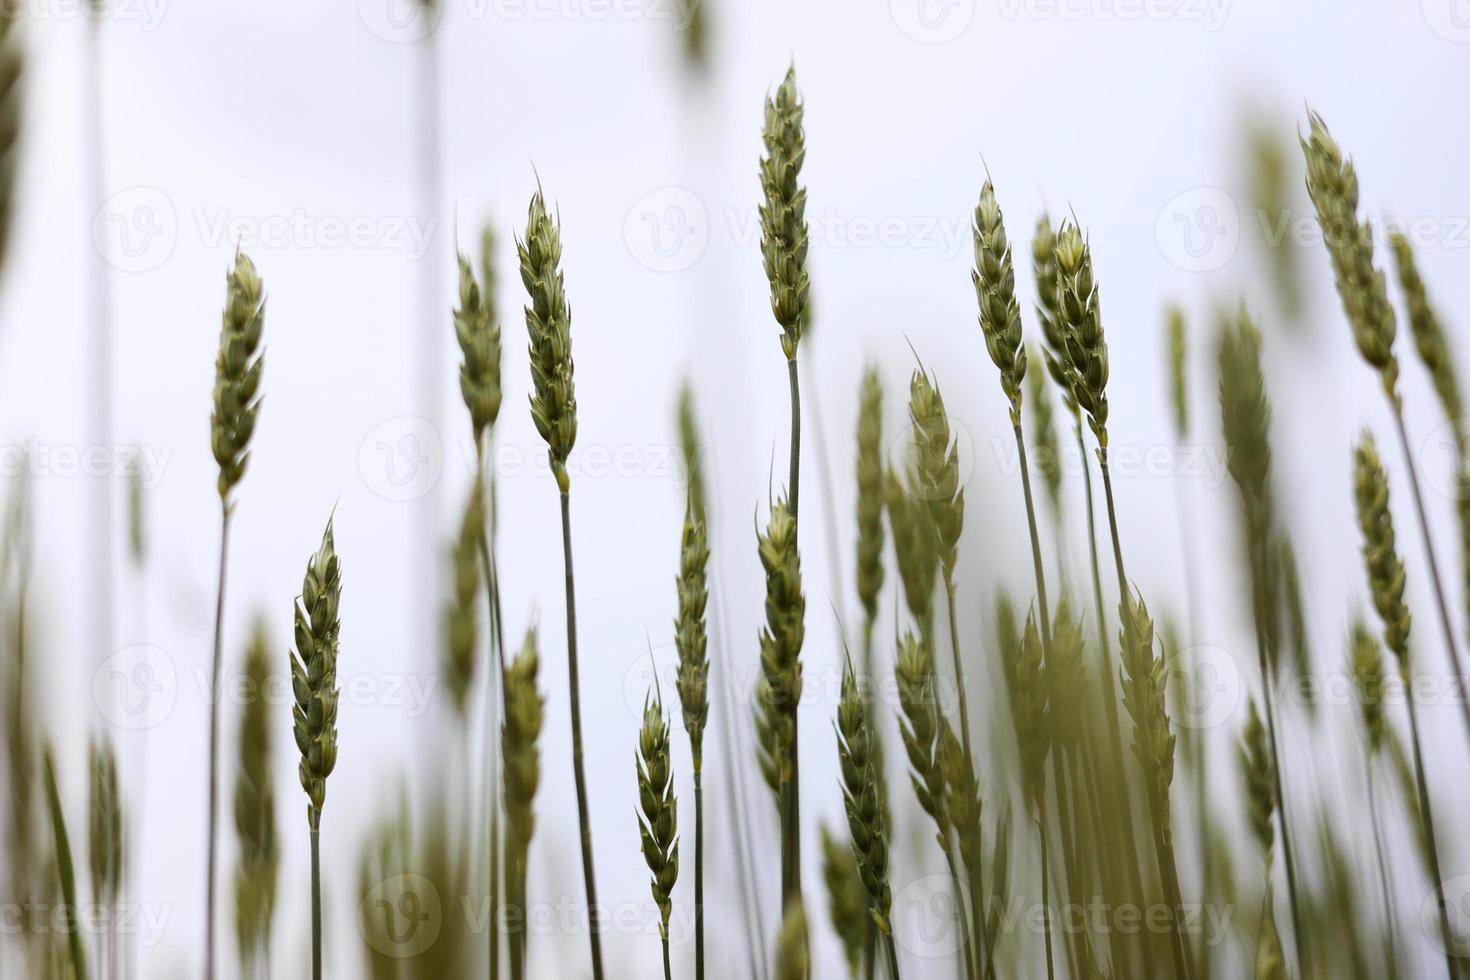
<point>211,847</point>
<point>668,969</point>
<point>594,926</point>
<point>1383,873</point>
<point>316,895</point>
<point>962,920</point>
<point>1451,649</point>
<point>1303,944</point>
<point>698,875</point>
<point>791,789</point>
<point>1124,809</point>
<point>1427,814</point>
<point>496,638</point>
<point>892,951</point>
<point>1051,970</point>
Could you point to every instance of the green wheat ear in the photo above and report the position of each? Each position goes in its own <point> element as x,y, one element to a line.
<point>691,634</point>
<point>867,817</point>
<point>781,640</point>
<point>549,324</point>
<point>1332,184</point>
<point>847,900</point>
<point>1256,770</point>
<point>237,373</point>
<point>1429,337</point>
<point>314,672</point>
<point>255,809</point>
<point>1365,657</point>
<point>994,279</point>
<point>1084,347</point>
<point>1178,370</point>
<point>783,212</point>
<point>793,955</point>
<point>658,823</point>
<point>478,333</point>
<point>462,614</point>
<point>870,493</point>
<point>1380,552</point>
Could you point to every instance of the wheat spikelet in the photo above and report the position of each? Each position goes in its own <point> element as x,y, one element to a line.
<point>783,212</point>
<point>692,451</point>
<point>1365,657</point>
<point>1048,308</point>
<point>919,729</point>
<point>520,732</point>
<point>462,611</point>
<point>1032,701</point>
<point>1143,697</point>
<point>994,279</point>
<point>549,324</point>
<point>780,642</point>
<point>658,822</point>
<point>105,824</point>
<point>478,333</point>
<point>1429,336</point>
<point>870,495</point>
<point>847,900</point>
<point>691,634</point>
<point>917,548</point>
<point>1080,322</point>
<point>1332,183</point>
<point>936,471</point>
<point>1255,767</point>
<point>237,373</point>
<point>314,672</point>
<point>255,810</point>
<point>1178,371</point>
<point>1380,554</point>
<point>793,955</point>
<point>1045,448</point>
<point>867,817</point>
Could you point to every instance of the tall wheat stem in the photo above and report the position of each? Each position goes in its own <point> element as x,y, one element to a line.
<point>316,895</point>
<point>212,844</point>
<point>1451,648</point>
<point>1383,875</point>
<point>1446,936</point>
<point>578,772</point>
<point>791,797</point>
<point>1045,888</point>
<point>497,653</point>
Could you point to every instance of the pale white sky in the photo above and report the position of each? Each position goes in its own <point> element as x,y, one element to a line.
<point>290,127</point>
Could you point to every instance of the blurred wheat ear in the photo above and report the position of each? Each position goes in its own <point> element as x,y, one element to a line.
<point>659,820</point>
<point>520,733</point>
<point>65,870</point>
<point>105,842</point>
<point>255,812</point>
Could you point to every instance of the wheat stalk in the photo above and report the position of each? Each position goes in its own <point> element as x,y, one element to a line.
<point>1386,584</point>
<point>691,638</point>
<point>477,330</point>
<point>783,254</point>
<point>65,871</point>
<point>1256,769</point>
<point>554,411</point>
<point>105,843</point>
<point>1032,701</point>
<point>1365,659</point>
<point>658,820</point>
<point>237,373</point>
<point>847,899</point>
<point>1332,184</point>
<point>255,812</point>
<point>520,733</point>
<point>1245,418</point>
<point>779,693</point>
<point>314,718</point>
<point>866,807</point>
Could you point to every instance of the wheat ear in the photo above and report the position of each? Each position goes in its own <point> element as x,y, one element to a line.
<point>255,812</point>
<point>314,718</point>
<point>658,822</point>
<point>691,638</point>
<point>237,372</point>
<point>520,733</point>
